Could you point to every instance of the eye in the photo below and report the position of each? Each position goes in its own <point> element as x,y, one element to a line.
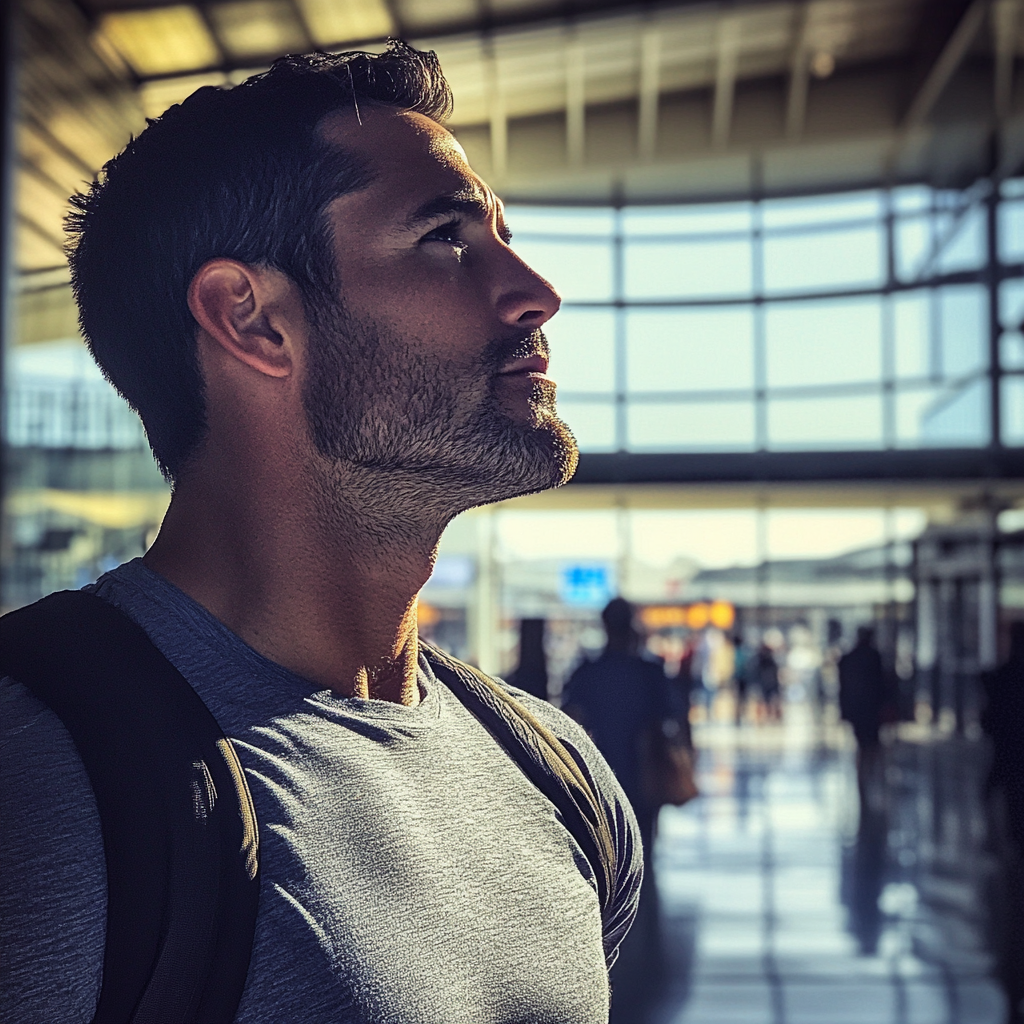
<point>449,233</point>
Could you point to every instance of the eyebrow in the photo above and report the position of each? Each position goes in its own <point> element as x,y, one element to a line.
<point>472,204</point>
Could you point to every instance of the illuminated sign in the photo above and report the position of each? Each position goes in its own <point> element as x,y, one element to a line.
<point>586,586</point>
<point>720,614</point>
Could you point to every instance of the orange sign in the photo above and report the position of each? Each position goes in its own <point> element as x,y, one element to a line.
<point>663,616</point>
<point>697,616</point>
<point>720,614</point>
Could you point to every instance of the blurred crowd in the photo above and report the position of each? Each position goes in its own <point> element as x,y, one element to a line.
<point>640,694</point>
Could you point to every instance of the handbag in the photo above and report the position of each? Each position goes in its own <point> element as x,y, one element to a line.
<point>667,768</point>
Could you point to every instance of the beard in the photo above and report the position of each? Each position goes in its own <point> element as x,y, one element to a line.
<point>377,401</point>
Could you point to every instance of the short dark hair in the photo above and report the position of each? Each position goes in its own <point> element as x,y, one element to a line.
<point>617,617</point>
<point>235,172</point>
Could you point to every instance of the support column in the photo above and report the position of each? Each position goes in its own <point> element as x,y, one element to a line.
<point>988,599</point>
<point>946,661</point>
<point>482,616</point>
<point>575,103</point>
<point>8,93</point>
<point>725,81</point>
<point>927,641</point>
<point>647,122</point>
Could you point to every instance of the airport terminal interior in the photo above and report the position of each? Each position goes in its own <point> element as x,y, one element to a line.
<point>789,240</point>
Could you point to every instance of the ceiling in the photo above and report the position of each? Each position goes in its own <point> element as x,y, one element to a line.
<point>578,100</point>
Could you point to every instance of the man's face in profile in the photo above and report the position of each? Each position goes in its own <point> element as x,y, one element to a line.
<point>432,362</point>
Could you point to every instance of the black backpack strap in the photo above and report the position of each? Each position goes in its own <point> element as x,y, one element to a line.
<point>545,761</point>
<point>179,830</point>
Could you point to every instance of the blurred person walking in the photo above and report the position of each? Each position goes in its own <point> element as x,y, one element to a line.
<point>531,674</point>
<point>766,670</point>
<point>622,699</point>
<point>619,698</point>
<point>740,675</point>
<point>682,684</point>
<point>862,695</point>
<point>1003,721</point>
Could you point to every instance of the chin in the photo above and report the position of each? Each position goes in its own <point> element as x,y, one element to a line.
<point>565,451</point>
<point>545,456</point>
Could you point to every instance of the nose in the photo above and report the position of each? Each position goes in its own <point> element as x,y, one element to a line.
<point>524,299</point>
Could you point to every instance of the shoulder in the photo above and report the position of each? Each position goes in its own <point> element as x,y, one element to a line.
<point>584,667</point>
<point>571,733</point>
<point>53,886</point>
<point>618,812</point>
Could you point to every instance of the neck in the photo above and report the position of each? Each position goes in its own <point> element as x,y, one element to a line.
<point>322,580</point>
<point>620,644</point>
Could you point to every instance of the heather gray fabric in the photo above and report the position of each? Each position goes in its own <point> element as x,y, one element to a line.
<point>410,871</point>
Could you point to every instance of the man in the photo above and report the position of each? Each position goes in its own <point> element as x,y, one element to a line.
<point>862,694</point>
<point>622,699</point>
<point>310,299</point>
<point>1003,721</point>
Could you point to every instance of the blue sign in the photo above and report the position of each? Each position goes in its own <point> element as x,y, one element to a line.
<point>591,585</point>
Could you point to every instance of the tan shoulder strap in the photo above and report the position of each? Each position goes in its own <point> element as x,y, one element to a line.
<point>543,758</point>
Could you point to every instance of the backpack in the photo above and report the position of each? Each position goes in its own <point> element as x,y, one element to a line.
<point>180,835</point>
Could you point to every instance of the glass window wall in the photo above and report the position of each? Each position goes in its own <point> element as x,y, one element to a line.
<point>859,320</point>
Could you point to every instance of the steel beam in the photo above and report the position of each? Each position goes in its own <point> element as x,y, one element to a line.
<point>650,73</point>
<point>945,66</point>
<point>725,81</point>
<point>575,102</point>
<point>8,101</point>
<point>799,77</point>
<point>1004,40</point>
<point>917,465</point>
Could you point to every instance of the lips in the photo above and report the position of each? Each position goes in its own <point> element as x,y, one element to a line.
<point>525,367</point>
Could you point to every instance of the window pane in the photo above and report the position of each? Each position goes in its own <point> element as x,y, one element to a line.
<point>910,198</point>
<point>560,220</point>
<point>1013,410</point>
<point>582,349</point>
<point>687,350</point>
<point>713,538</point>
<point>911,317</point>
<point>822,533</point>
<point>965,250</point>
<point>824,260</point>
<point>671,270</point>
<point>690,426</point>
<point>579,271</point>
<point>1011,350</point>
<point>592,423</point>
<point>56,397</point>
<point>835,341</point>
<point>848,422</point>
<point>913,243</point>
<point>941,416</point>
<point>779,213</point>
<point>1011,303</point>
<point>963,320</point>
<point>1011,231</point>
<point>708,218</point>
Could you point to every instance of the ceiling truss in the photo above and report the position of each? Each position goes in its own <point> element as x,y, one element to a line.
<point>577,101</point>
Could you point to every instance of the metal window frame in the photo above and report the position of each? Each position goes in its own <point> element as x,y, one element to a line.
<point>767,463</point>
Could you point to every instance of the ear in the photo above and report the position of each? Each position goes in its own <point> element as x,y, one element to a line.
<point>250,312</point>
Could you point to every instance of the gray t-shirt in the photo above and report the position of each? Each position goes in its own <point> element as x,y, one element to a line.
<point>410,872</point>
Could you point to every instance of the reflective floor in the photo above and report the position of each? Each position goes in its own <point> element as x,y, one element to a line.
<point>782,902</point>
